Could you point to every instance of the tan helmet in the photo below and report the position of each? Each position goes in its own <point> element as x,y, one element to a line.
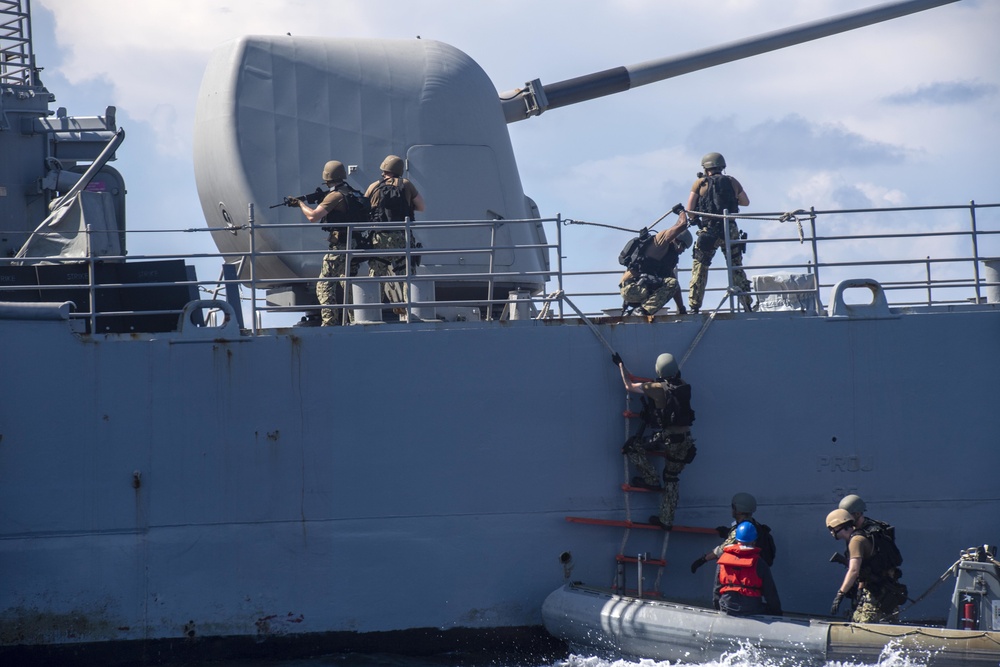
<point>684,239</point>
<point>744,503</point>
<point>853,504</point>
<point>838,518</point>
<point>393,164</point>
<point>666,367</point>
<point>713,161</point>
<point>334,171</point>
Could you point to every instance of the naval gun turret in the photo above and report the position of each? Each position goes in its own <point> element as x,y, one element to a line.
<point>273,109</point>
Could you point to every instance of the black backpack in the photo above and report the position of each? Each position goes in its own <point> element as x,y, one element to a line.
<point>392,205</point>
<point>720,196</point>
<point>634,252</point>
<point>883,537</point>
<point>358,210</point>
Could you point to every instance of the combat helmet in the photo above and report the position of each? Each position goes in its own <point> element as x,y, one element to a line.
<point>334,170</point>
<point>838,518</point>
<point>684,239</point>
<point>666,367</point>
<point>744,503</point>
<point>746,532</point>
<point>392,164</point>
<point>713,161</point>
<point>853,504</point>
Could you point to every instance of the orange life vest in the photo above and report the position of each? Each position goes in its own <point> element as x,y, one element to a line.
<point>738,571</point>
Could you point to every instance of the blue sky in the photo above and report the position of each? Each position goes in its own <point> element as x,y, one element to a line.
<point>903,113</point>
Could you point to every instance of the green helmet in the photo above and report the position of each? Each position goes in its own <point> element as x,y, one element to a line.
<point>684,239</point>
<point>744,503</point>
<point>666,367</point>
<point>334,171</point>
<point>838,518</point>
<point>393,164</point>
<point>853,504</point>
<point>713,161</point>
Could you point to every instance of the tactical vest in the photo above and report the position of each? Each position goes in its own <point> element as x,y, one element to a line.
<point>391,203</point>
<point>357,209</point>
<point>885,556</point>
<point>720,196</point>
<point>676,410</point>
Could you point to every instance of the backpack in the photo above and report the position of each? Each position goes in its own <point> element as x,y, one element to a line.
<point>392,205</point>
<point>720,196</point>
<point>634,252</point>
<point>883,536</point>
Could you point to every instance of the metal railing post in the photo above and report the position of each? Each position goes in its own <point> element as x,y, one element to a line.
<point>559,265</point>
<point>815,259</point>
<point>975,249</point>
<point>253,270</point>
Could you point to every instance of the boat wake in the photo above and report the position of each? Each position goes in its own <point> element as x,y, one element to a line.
<point>748,655</point>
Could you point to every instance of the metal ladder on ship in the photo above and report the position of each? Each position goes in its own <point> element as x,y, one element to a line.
<point>640,560</point>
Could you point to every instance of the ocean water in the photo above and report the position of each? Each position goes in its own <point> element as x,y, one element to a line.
<point>746,656</point>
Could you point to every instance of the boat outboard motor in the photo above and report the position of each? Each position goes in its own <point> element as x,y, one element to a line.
<point>975,604</point>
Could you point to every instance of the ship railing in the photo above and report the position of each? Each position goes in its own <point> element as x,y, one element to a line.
<point>920,256</point>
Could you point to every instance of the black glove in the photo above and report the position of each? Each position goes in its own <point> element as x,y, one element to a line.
<point>643,233</point>
<point>615,359</point>
<point>676,210</point>
<point>723,531</point>
<point>291,201</point>
<point>835,607</point>
<point>698,563</point>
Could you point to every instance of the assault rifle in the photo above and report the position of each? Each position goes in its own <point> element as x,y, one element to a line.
<point>311,198</point>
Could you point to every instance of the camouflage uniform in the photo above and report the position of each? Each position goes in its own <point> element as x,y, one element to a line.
<point>702,259</point>
<point>333,265</point>
<point>873,608</point>
<point>327,290</point>
<point>649,300</point>
<point>676,444</point>
<point>395,292</point>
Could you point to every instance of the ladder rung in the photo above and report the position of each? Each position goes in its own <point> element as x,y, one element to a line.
<point>635,524</point>
<point>641,489</point>
<point>633,559</point>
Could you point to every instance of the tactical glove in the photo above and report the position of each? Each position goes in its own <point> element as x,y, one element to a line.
<point>835,607</point>
<point>291,201</point>
<point>698,563</point>
<point>723,531</point>
<point>676,210</point>
<point>615,359</point>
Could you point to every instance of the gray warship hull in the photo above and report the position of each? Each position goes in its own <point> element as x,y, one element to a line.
<point>381,478</point>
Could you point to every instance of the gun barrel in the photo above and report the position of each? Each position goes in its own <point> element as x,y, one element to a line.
<point>532,101</point>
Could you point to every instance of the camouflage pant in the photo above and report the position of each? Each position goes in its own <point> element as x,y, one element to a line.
<point>871,608</point>
<point>650,300</point>
<point>387,266</point>
<point>675,458</point>
<point>701,259</point>
<point>330,292</point>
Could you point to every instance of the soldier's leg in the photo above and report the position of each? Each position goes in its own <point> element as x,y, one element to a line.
<point>326,290</point>
<point>677,455</point>
<point>701,258</point>
<point>632,294</point>
<point>635,451</point>
<point>393,291</point>
<point>660,296</point>
<point>740,280</point>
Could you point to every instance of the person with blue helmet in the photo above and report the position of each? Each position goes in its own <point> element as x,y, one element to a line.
<point>743,582</point>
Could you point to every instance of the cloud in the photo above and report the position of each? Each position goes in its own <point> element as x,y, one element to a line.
<point>944,93</point>
<point>792,142</point>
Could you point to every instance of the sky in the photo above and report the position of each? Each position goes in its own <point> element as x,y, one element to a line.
<point>903,113</point>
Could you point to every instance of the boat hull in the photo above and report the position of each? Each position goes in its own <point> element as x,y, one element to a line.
<point>592,620</point>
